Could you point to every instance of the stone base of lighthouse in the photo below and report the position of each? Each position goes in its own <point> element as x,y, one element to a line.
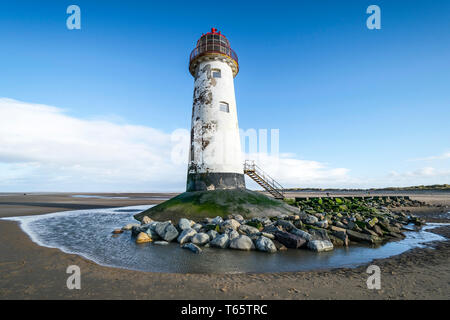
<point>198,205</point>
<point>215,181</point>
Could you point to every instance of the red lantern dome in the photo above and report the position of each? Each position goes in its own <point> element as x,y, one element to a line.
<point>213,43</point>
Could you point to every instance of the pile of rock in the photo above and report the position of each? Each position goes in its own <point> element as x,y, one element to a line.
<point>318,226</point>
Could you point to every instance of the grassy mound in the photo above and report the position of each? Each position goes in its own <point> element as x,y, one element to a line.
<point>201,204</point>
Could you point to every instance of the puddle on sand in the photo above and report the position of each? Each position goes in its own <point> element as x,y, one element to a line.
<point>88,233</point>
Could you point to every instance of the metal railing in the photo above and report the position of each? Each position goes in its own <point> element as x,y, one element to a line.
<point>213,47</point>
<point>250,166</point>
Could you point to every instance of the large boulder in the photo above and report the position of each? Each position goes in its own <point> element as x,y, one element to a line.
<point>200,239</point>
<point>303,234</point>
<point>286,225</point>
<point>322,224</point>
<point>320,245</point>
<point>342,235</point>
<point>142,237</point>
<point>212,234</point>
<point>221,241</point>
<point>146,220</point>
<point>310,219</point>
<point>272,229</point>
<point>184,223</point>
<point>186,235</point>
<point>229,224</point>
<point>319,234</point>
<point>232,234</point>
<point>166,230</point>
<point>192,247</point>
<point>242,243</point>
<point>248,230</point>
<point>290,240</point>
<point>361,237</point>
<point>217,220</point>
<point>265,244</point>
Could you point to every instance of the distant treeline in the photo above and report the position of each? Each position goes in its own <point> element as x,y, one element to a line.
<point>431,187</point>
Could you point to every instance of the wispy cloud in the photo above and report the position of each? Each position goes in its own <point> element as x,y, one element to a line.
<point>445,155</point>
<point>42,148</point>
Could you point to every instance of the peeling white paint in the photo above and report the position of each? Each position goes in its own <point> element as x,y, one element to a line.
<point>215,143</point>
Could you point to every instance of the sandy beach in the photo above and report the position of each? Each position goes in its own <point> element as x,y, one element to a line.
<point>29,271</point>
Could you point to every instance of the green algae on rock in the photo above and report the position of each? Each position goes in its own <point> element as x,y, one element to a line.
<point>201,204</point>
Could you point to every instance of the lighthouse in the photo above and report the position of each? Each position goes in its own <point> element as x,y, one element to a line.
<point>215,152</point>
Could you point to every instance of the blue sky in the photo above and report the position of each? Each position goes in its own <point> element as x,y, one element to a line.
<point>373,102</point>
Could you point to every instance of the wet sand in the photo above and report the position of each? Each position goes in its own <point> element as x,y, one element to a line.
<point>29,271</point>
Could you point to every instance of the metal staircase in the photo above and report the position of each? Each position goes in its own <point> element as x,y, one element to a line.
<point>263,179</point>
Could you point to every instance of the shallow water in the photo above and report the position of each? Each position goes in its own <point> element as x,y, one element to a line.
<point>88,233</point>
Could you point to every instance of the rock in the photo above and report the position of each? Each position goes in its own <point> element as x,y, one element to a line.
<point>368,231</point>
<point>279,246</point>
<point>361,237</point>
<point>117,231</point>
<point>186,235</point>
<point>372,222</point>
<point>217,220</point>
<point>340,225</point>
<point>212,234</point>
<point>310,219</point>
<point>298,224</point>
<point>129,226</point>
<point>142,237</point>
<point>152,233</point>
<point>286,225</point>
<point>290,240</point>
<point>378,230</point>
<point>338,229</point>
<point>166,230</point>
<point>135,230</point>
<point>341,235</point>
<point>197,226</point>
<point>303,234</point>
<point>242,243</point>
<point>238,218</point>
<point>146,220</point>
<point>247,230</point>
<point>336,241</point>
<point>319,234</point>
<point>232,234</point>
<point>267,235</point>
<point>184,224</point>
<point>200,239</point>
<point>322,224</point>
<point>265,244</point>
<point>351,225</point>
<point>229,224</point>
<point>221,241</point>
<point>161,243</point>
<point>192,247</point>
<point>320,245</point>
<point>272,229</point>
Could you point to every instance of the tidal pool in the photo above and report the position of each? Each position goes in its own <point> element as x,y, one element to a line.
<point>88,233</point>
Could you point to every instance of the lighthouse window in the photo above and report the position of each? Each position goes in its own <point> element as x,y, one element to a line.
<point>216,73</point>
<point>224,107</point>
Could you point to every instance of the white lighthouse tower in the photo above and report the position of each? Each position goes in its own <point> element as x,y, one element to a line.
<point>215,153</point>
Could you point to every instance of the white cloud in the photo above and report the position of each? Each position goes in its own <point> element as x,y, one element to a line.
<point>444,156</point>
<point>44,149</point>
